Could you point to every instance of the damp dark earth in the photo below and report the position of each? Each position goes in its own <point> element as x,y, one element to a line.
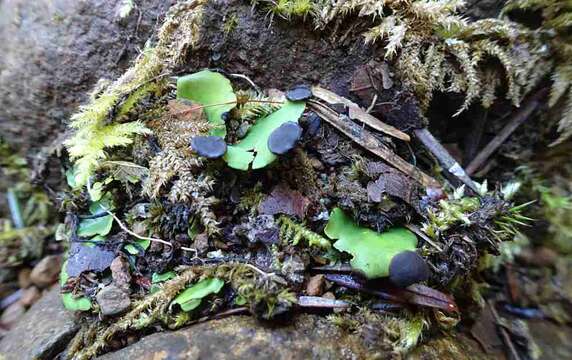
<point>290,179</point>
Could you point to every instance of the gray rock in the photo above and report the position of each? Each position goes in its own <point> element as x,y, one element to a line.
<point>242,337</point>
<point>42,332</point>
<point>112,300</point>
<point>54,51</point>
<point>12,314</point>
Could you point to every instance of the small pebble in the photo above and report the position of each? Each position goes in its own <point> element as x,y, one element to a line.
<point>112,300</point>
<point>284,138</point>
<point>407,268</point>
<point>299,93</point>
<point>211,147</point>
<point>316,285</point>
<point>120,272</point>
<point>24,278</point>
<point>46,272</point>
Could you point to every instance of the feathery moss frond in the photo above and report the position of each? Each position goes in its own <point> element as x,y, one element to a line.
<point>293,232</point>
<point>87,146</point>
<point>557,20</point>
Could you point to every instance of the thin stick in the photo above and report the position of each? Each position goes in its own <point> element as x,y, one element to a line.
<point>242,76</point>
<point>474,137</point>
<point>452,166</point>
<point>15,210</point>
<point>127,230</point>
<point>198,107</point>
<point>372,105</point>
<point>258,270</point>
<point>518,119</point>
<point>357,113</point>
<point>424,236</point>
<point>506,338</point>
<point>320,302</point>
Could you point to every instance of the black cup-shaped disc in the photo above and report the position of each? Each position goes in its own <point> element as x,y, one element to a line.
<point>284,138</point>
<point>299,93</point>
<point>407,268</point>
<point>211,147</point>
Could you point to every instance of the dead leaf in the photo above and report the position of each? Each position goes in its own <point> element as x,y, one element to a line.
<point>186,110</point>
<point>416,294</point>
<point>83,258</point>
<point>283,200</point>
<point>425,296</point>
<point>394,183</point>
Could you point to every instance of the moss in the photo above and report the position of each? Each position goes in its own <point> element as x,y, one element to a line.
<point>230,23</point>
<point>291,232</point>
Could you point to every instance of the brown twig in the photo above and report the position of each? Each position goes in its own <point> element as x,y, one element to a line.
<point>474,137</point>
<point>505,336</point>
<point>369,142</point>
<point>518,119</point>
<point>452,166</point>
<point>422,235</point>
<point>357,113</point>
<point>198,107</point>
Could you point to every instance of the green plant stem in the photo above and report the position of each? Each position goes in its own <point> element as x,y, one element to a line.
<point>198,107</point>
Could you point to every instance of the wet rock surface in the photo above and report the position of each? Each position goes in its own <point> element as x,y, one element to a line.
<point>47,328</point>
<point>42,332</point>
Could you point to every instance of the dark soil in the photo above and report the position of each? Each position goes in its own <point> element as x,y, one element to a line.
<point>278,56</point>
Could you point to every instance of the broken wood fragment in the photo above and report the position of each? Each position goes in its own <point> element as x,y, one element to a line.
<point>368,141</point>
<point>321,302</point>
<point>357,113</point>
<point>446,160</point>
